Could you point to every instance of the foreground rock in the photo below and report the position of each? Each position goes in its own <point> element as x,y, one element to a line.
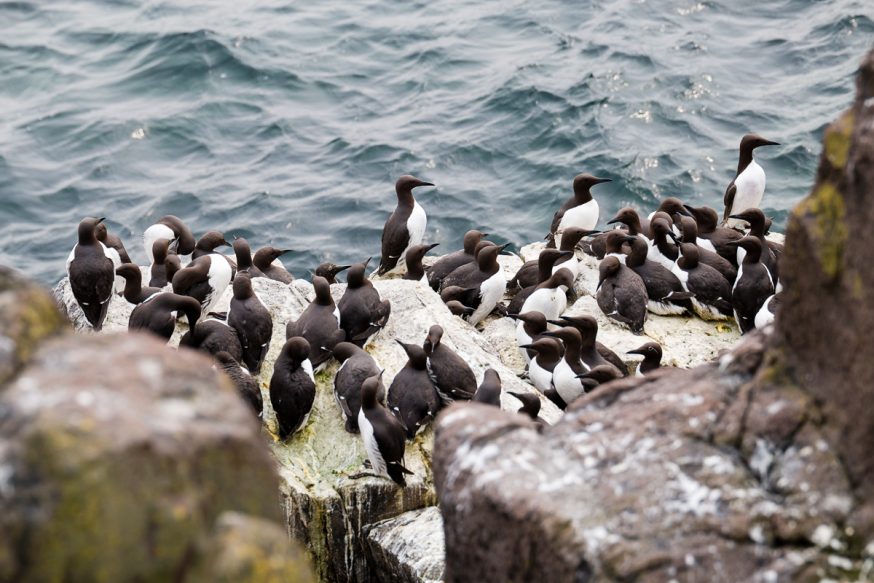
<point>124,461</point>
<point>408,547</point>
<point>758,468</point>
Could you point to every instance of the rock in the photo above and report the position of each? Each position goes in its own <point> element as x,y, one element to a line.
<point>243,549</point>
<point>755,468</point>
<point>28,316</point>
<point>408,548</point>
<point>117,458</point>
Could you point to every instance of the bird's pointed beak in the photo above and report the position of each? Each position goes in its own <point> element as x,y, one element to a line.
<point>342,268</point>
<point>603,180</point>
<point>558,322</point>
<point>100,220</point>
<point>432,245</point>
<point>367,262</point>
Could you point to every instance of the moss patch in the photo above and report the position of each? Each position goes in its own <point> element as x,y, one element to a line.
<point>825,206</point>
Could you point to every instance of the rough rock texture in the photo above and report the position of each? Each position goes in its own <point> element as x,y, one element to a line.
<point>829,258</point>
<point>757,468</point>
<point>28,315</point>
<point>408,547</point>
<point>117,458</point>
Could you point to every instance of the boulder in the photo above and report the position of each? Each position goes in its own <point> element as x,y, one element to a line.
<point>118,459</point>
<point>753,468</point>
<point>407,548</point>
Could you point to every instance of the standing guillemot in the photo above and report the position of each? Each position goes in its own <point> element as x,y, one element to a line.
<point>451,375</point>
<point>530,406</point>
<point>204,279</point>
<point>264,261</point>
<point>707,256</point>
<point>621,294</point>
<point>405,227</point>
<point>769,309</point>
<point>330,271</point>
<point>292,386</point>
<point>707,221</point>
<point>543,269</point>
<point>550,297</point>
<point>548,352</point>
<point>112,241</point>
<point>356,366</point>
<point>172,228</point>
<point>529,327</point>
<point>748,186</point>
<point>134,292</point>
<point>580,210</point>
<point>712,299</point>
<point>489,391</point>
<point>412,396</point>
<point>634,225</point>
<point>617,244</point>
<point>486,276</point>
<point>587,326</point>
<point>208,244</point>
<point>92,273</point>
<point>362,311</point>
<point>243,254</point>
<point>564,375</point>
<point>413,258</point>
<point>246,385</point>
<point>164,264</point>
<point>753,287</point>
<point>213,336</point>
<point>660,249</point>
<point>319,324</point>
<point>665,293</point>
<point>652,358</point>
<point>252,321</point>
<point>590,353</point>
<point>569,241</point>
<point>756,220</point>
<point>452,261</point>
<point>382,433</point>
<point>158,313</point>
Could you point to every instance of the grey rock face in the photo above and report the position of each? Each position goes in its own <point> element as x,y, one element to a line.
<point>408,548</point>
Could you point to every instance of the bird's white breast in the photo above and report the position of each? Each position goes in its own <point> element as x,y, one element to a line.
<point>152,234</point>
<point>750,188</point>
<point>584,216</point>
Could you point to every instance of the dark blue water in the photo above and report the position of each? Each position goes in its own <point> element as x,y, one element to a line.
<point>287,123</point>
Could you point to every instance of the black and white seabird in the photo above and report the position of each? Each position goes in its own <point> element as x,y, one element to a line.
<point>158,313</point>
<point>712,299</point>
<point>212,335</point>
<point>204,279</point>
<point>330,271</point>
<point>382,433</point>
<point>548,352</point>
<point>756,220</point>
<point>550,297</point>
<point>92,273</point>
<point>451,261</point>
<point>292,386</point>
<point>621,294</point>
<point>530,405</point>
<point>134,292</point>
<point>265,261</point>
<point>665,293</point>
<point>413,258</point>
<point>564,375</point>
<point>592,353</point>
<point>634,225</point>
<point>412,396</point>
<point>661,249</point>
<point>112,241</point>
<point>405,227</point>
<point>768,311</point>
<point>652,358</point>
<point>580,210</point>
<point>252,320</point>
<point>172,228</point>
<point>319,324</point>
<point>489,391</point>
<point>243,255</point>
<point>362,311</point>
<point>486,276</point>
<point>451,375</point>
<point>164,264</point>
<point>529,327</point>
<point>753,287</point>
<point>706,255</point>
<point>707,220</point>
<point>356,366</point>
<point>246,385</point>
<point>533,273</point>
<point>748,186</point>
